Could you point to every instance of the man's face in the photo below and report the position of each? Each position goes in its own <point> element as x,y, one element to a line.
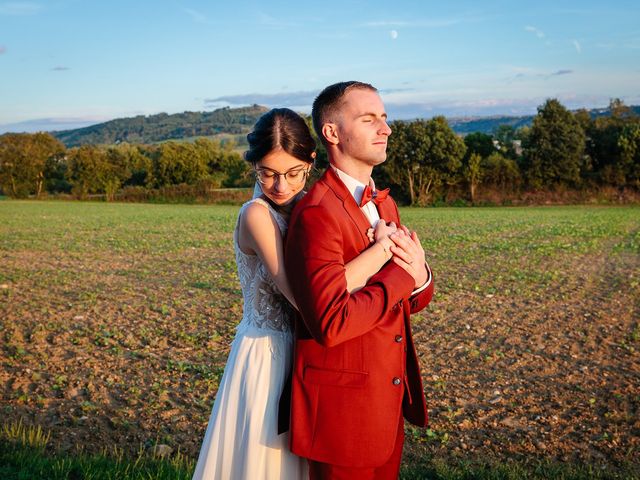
<point>362,128</point>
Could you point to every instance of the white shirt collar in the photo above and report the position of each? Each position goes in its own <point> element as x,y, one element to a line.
<point>355,187</point>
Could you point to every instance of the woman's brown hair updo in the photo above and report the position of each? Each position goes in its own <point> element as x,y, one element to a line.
<point>280,128</point>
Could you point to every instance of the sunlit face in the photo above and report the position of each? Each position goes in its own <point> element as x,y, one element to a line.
<point>272,169</point>
<point>362,127</point>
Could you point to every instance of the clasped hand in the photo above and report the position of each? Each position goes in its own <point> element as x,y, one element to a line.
<point>405,247</point>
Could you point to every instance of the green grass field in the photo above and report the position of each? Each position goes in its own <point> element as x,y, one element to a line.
<point>116,319</point>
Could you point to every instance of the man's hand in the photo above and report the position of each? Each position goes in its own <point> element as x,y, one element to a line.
<point>409,254</point>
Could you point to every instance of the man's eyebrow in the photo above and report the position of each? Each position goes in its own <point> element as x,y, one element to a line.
<point>371,114</point>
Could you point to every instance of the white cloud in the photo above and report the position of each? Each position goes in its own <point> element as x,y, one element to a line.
<point>52,124</point>
<point>433,23</point>
<point>537,32</point>
<point>561,72</point>
<point>393,34</point>
<point>526,73</point>
<point>283,99</point>
<point>270,21</point>
<point>386,23</point>
<point>19,8</point>
<point>196,16</point>
<point>577,45</point>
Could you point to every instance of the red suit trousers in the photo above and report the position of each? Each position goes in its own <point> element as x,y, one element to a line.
<point>387,471</point>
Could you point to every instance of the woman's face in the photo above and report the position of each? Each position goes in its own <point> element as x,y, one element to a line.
<point>271,172</point>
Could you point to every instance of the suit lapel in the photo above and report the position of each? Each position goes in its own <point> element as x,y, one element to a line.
<point>352,209</point>
<point>387,211</point>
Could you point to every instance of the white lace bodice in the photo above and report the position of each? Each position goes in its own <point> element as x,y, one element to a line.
<point>264,306</point>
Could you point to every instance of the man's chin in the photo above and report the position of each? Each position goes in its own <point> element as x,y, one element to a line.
<point>380,160</point>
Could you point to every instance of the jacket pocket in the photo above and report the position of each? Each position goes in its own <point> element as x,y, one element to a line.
<point>337,378</point>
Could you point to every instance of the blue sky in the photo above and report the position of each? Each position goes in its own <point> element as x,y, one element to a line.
<point>65,63</point>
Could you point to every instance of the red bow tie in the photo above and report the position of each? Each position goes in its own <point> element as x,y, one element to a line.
<point>378,196</point>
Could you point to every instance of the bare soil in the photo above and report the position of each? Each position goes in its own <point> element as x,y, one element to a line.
<point>125,349</point>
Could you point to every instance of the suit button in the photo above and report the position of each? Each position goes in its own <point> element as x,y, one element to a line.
<point>398,338</point>
<point>396,381</point>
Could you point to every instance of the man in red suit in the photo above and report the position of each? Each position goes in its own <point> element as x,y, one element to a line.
<point>355,373</point>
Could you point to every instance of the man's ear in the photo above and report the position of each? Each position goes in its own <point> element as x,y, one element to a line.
<point>330,132</point>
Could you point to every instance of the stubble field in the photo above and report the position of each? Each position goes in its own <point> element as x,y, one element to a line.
<point>116,320</point>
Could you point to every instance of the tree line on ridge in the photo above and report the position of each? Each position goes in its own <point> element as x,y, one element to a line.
<point>427,161</point>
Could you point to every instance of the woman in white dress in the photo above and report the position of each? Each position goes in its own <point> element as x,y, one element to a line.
<point>242,440</point>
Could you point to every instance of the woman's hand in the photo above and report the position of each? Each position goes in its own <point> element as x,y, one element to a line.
<point>382,230</point>
<point>380,235</point>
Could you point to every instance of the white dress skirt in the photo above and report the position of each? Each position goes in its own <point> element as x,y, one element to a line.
<point>241,440</point>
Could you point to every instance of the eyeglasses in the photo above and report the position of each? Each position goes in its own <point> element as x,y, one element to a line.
<point>294,177</point>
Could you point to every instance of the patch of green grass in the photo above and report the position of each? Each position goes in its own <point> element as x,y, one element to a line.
<point>30,437</point>
<point>203,370</point>
<point>116,228</point>
<point>512,470</point>
<point>24,456</point>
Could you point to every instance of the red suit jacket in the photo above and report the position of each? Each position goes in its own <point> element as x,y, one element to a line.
<point>355,366</point>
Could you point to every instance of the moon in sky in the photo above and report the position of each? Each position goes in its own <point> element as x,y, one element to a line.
<point>394,34</point>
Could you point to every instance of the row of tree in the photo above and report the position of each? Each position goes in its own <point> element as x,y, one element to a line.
<point>34,163</point>
<point>560,150</point>
<point>426,161</point>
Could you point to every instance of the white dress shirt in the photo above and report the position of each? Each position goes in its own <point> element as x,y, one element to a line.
<point>356,188</point>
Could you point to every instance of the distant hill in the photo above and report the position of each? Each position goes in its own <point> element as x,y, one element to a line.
<point>238,121</point>
<point>161,127</point>
<point>488,125</point>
